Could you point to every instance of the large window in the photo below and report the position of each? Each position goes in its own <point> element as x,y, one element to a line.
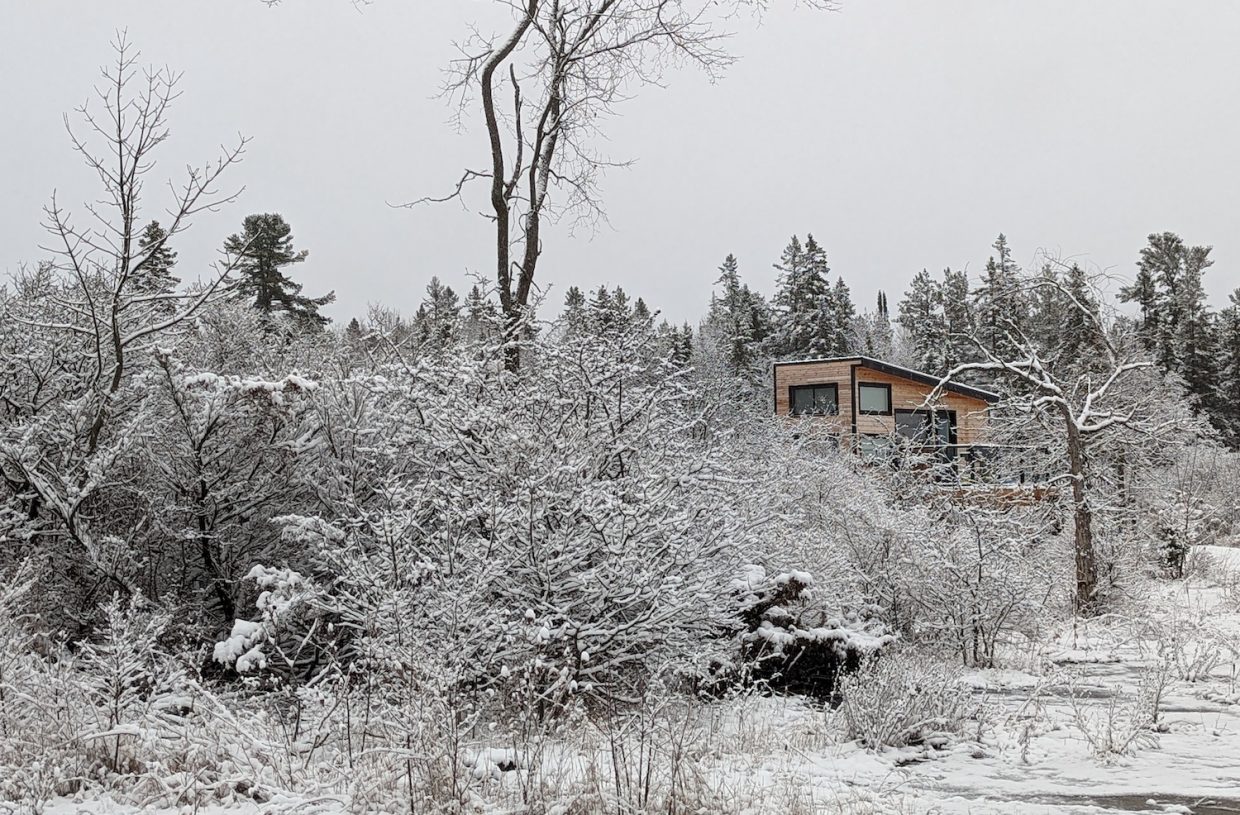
<point>874,399</point>
<point>926,428</point>
<point>814,400</point>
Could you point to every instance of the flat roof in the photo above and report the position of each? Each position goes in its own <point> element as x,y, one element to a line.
<point>906,373</point>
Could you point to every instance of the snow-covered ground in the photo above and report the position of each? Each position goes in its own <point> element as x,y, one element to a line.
<point>1035,757</point>
<point>1059,731</point>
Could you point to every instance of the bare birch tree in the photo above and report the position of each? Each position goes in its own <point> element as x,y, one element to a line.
<point>566,65</point>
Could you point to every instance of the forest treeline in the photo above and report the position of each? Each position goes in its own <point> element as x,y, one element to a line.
<point>938,323</point>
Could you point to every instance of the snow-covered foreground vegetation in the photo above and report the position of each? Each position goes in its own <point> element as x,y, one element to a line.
<point>479,562</point>
<point>1138,712</point>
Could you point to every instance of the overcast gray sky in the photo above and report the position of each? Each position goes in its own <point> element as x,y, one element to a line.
<point>903,134</point>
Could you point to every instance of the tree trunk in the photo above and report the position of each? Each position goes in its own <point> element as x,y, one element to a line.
<point>1086,560</point>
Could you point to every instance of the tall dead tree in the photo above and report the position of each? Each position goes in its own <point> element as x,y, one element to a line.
<point>566,65</point>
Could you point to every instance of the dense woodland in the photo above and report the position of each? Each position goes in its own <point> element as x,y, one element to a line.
<point>250,552</point>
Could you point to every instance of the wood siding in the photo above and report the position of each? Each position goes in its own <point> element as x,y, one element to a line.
<point>816,373</point>
<point>905,394</point>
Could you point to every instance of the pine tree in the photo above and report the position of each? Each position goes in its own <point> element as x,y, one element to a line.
<point>1195,338</point>
<point>622,314</point>
<point>759,317</point>
<point>1077,327</point>
<point>957,320</point>
<point>1144,292</point>
<point>678,343</point>
<point>608,313</point>
<point>731,319</point>
<point>871,332</point>
<point>999,306</point>
<point>1176,321</point>
<point>153,273</point>
<point>353,331</point>
<point>437,316</point>
<point>1046,309</point>
<point>921,318</point>
<point>264,248</point>
<point>574,315</point>
<point>842,313</point>
<point>1227,395</point>
<point>1160,268</point>
<point>641,314</point>
<point>481,315</point>
<point>803,324</point>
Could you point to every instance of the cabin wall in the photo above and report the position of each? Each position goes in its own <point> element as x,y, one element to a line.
<point>816,373</point>
<point>909,395</point>
<point>905,394</point>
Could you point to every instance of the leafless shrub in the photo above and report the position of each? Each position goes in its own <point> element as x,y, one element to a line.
<point>901,699</point>
<point>1121,724</point>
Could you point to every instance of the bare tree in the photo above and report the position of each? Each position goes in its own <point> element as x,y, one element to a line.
<point>88,310</point>
<point>567,65</point>
<point>1084,405</point>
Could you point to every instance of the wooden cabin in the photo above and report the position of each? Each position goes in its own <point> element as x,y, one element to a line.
<point>880,410</point>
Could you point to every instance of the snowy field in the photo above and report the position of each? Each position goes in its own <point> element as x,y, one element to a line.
<point>1063,735</point>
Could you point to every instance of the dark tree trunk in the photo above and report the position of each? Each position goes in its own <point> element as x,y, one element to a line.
<point>1082,518</point>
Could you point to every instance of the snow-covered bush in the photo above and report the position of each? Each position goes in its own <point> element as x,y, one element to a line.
<point>983,578</point>
<point>790,644</point>
<point>561,532</point>
<point>1120,724</point>
<point>1193,643</point>
<point>903,698</point>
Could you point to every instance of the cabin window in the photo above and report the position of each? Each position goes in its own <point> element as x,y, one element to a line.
<point>911,425</point>
<point>924,427</point>
<point>874,399</point>
<point>814,400</point>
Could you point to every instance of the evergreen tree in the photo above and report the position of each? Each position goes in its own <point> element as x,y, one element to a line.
<point>804,324</point>
<point>641,314</point>
<point>437,316</point>
<point>759,317</point>
<point>839,307</point>
<point>677,343</point>
<point>353,331</point>
<point>1227,395</point>
<point>481,315</point>
<point>957,320</point>
<point>1046,309</point>
<point>999,305</point>
<point>622,311</point>
<point>921,318</point>
<point>1175,320</point>
<point>1144,292</point>
<point>264,248</point>
<point>153,273</point>
<point>574,315</point>
<point>731,319</point>
<point>1195,333</point>
<point>871,332</point>
<point>1079,342</point>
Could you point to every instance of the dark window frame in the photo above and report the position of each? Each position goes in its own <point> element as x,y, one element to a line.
<point>890,404</point>
<point>792,389</point>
